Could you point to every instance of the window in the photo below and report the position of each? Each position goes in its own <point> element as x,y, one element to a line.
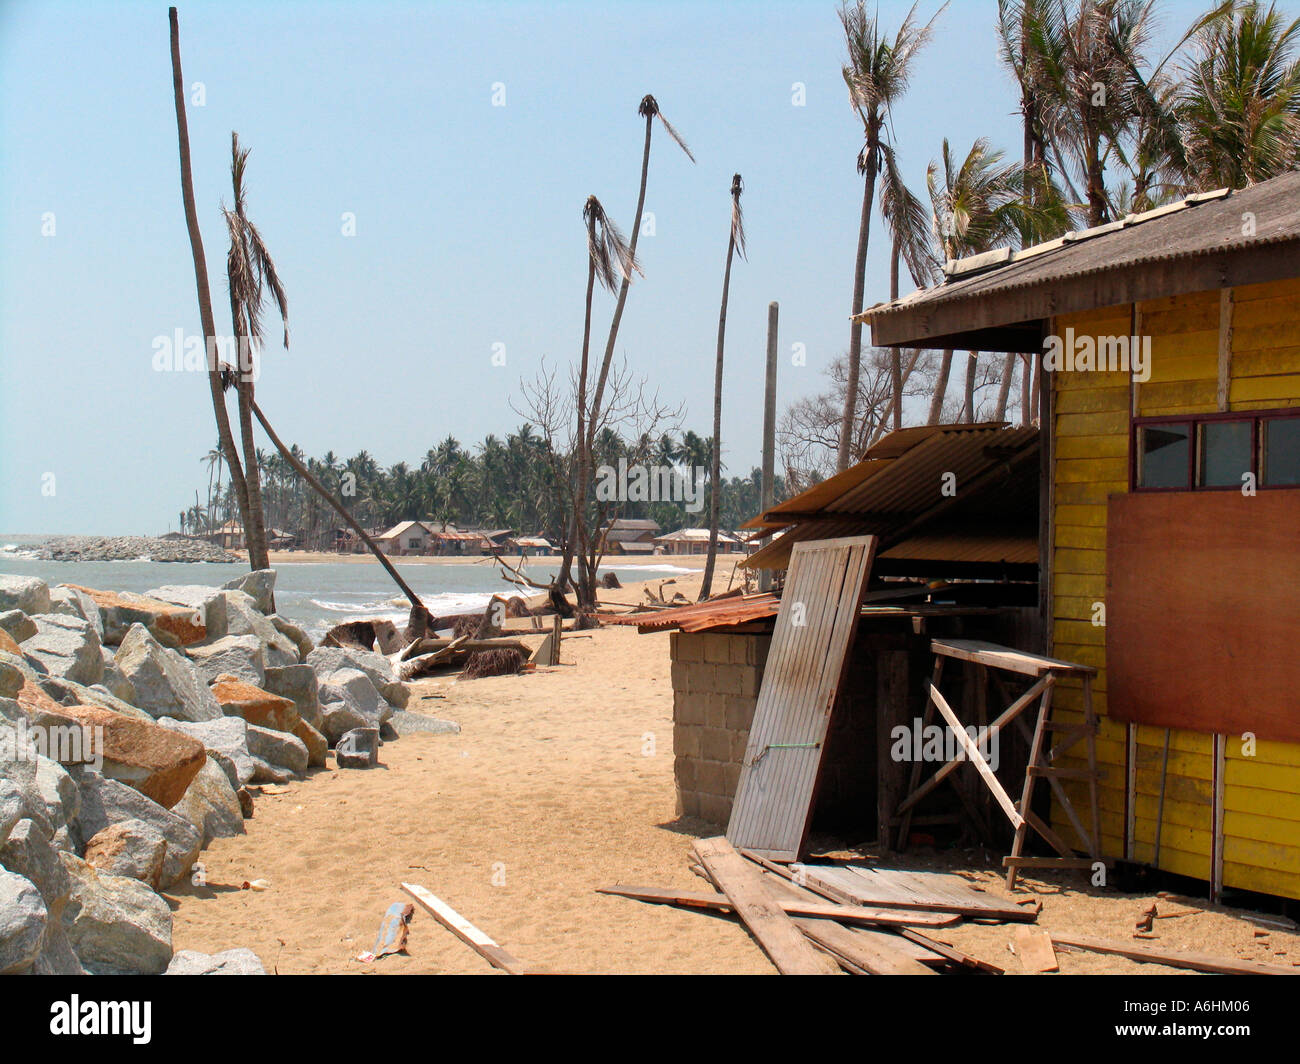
<point>1216,451</point>
<point>1281,447</point>
<point>1162,455</point>
<point>1224,451</point>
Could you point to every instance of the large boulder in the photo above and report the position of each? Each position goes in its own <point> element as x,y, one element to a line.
<point>66,645</point>
<point>240,656</point>
<point>130,848</point>
<point>211,804</point>
<point>277,751</point>
<point>118,926</point>
<point>76,603</point>
<point>244,618</point>
<point>339,718</point>
<point>208,602</point>
<point>158,762</point>
<point>356,689</point>
<point>228,962</point>
<point>19,761</point>
<point>30,854</point>
<point>105,802</point>
<point>171,625</point>
<point>327,660</point>
<point>68,693</point>
<point>316,743</point>
<point>25,593</point>
<point>11,808</point>
<point>258,585</point>
<point>299,684</point>
<point>23,918</point>
<point>226,740</point>
<point>300,639</point>
<point>405,722</point>
<point>166,684</point>
<point>18,625</point>
<point>239,699</point>
<point>359,748</point>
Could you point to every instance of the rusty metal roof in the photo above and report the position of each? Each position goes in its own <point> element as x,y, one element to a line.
<point>951,493</point>
<point>698,616</point>
<point>998,300</point>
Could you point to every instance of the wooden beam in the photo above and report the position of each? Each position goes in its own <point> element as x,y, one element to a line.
<point>849,914</point>
<point>479,942</point>
<point>781,940</point>
<point>1226,303</point>
<point>1034,948</point>
<point>1197,962</point>
<point>976,758</point>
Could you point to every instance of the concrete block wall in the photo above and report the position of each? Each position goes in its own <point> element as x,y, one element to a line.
<point>716,679</point>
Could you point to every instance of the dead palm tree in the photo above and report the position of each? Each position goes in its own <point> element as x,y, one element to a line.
<point>1239,104</point>
<point>877,75</point>
<point>250,273</point>
<point>649,110</point>
<point>609,258</point>
<point>215,374</point>
<point>735,243</point>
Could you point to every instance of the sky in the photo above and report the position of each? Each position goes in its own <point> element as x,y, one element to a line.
<point>459,143</point>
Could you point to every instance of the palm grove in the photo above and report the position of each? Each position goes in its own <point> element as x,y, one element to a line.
<point>1110,127</point>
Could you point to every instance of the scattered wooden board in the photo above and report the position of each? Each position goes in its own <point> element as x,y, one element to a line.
<point>1034,948</point>
<point>479,942</point>
<point>851,914</point>
<point>1197,962</point>
<point>739,880</point>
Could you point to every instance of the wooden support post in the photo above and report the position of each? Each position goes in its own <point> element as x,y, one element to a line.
<point>905,826</point>
<point>1035,754</point>
<point>893,709</point>
<point>1226,304</point>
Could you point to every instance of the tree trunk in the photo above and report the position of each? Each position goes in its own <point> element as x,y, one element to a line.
<point>1004,387</point>
<point>895,353</point>
<point>586,595</point>
<point>715,477</point>
<point>206,318</point>
<point>940,389</point>
<point>418,610</point>
<point>855,330</point>
<point>971,367</point>
<point>1026,374</point>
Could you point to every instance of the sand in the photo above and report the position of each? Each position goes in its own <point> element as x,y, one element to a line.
<point>561,782</point>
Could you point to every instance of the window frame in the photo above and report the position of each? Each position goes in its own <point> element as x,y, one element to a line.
<point>1194,422</point>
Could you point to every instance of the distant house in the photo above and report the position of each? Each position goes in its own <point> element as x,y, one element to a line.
<point>530,546</point>
<point>409,537</point>
<point>453,541</point>
<point>629,535</point>
<point>229,536</point>
<point>279,539</point>
<point>497,539</point>
<point>696,541</point>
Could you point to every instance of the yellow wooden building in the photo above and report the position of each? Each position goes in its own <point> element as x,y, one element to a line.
<point>1170,542</point>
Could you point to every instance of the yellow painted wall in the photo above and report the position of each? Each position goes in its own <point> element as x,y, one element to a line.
<point>1091,440</point>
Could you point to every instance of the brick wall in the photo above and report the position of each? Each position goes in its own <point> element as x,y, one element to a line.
<point>716,680</point>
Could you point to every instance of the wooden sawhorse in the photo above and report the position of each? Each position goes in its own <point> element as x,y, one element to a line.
<point>1042,755</point>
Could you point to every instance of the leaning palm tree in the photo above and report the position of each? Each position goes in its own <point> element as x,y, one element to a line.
<point>250,272</point>
<point>216,381</point>
<point>1240,100</point>
<point>877,75</point>
<point>735,243</point>
<point>649,110</point>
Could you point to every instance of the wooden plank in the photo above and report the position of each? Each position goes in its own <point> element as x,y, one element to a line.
<point>1034,948</point>
<point>805,667</point>
<point>1007,658</point>
<point>976,758</point>
<point>739,880</point>
<point>850,914</point>
<point>479,942</point>
<point>1225,347</point>
<point>1197,962</point>
<point>1202,625</point>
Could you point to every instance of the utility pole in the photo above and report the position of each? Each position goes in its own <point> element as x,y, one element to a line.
<point>769,433</point>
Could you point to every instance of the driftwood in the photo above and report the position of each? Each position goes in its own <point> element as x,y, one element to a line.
<point>374,635</point>
<point>499,661</point>
<point>434,654</point>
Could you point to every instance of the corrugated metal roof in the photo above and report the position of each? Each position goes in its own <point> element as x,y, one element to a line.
<point>1203,227</point>
<point>698,616</point>
<point>923,492</point>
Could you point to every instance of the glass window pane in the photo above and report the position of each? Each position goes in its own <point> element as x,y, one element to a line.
<point>1281,450</point>
<point>1225,453</point>
<point>1162,455</point>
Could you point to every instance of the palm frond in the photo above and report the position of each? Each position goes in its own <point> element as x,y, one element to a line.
<point>737,215</point>
<point>607,249</point>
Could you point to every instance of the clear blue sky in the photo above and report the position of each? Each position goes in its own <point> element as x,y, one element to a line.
<point>468,216</point>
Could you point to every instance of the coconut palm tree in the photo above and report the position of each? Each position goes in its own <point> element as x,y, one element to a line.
<point>735,243</point>
<point>1239,104</point>
<point>609,258</point>
<point>877,76</point>
<point>216,383</point>
<point>649,110</point>
<point>250,272</point>
<point>977,204</point>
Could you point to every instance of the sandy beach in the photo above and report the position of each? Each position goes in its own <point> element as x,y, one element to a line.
<point>561,782</point>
